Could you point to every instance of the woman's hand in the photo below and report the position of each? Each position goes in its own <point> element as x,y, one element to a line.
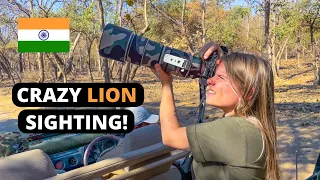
<point>208,49</point>
<point>165,78</point>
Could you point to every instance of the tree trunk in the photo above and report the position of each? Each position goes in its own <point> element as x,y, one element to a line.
<point>303,53</point>
<point>81,61</point>
<point>286,53</point>
<point>7,70</point>
<point>248,26</point>
<point>98,59</point>
<point>106,74</point>
<point>89,63</point>
<point>267,44</point>
<point>1,75</point>
<point>126,72</point>
<point>29,63</point>
<point>312,41</point>
<point>41,67</point>
<point>273,62</point>
<point>279,55</point>
<point>54,67</point>
<point>20,63</point>
<point>318,76</point>
<point>100,65</point>
<point>105,64</point>
<point>299,46</point>
<point>5,64</point>
<point>146,22</point>
<point>59,65</point>
<point>55,71</point>
<point>185,29</point>
<point>120,12</point>
<point>89,44</point>
<point>119,73</point>
<point>203,22</point>
<point>314,55</point>
<point>271,40</point>
<point>68,66</point>
<point>128,67</point>
<point>89,70</point>
<point>111,68</point>
<point>134,71</point>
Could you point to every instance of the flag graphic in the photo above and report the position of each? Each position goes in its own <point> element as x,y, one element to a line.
<point>43,35</point>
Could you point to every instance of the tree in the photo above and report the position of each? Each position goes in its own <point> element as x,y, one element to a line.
<point>104,60</point>
<point>311,17</point>
<point>126,75</point>
<point>179,26</point>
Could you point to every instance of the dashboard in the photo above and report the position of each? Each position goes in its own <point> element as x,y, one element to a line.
<point>73,158</point>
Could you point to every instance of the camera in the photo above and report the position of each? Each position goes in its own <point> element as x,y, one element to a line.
<point>123,45</point>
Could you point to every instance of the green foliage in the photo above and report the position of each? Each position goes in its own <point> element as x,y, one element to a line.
<point>238,13</point>
<point>224,27</point>
<point>81,19</point>
<point>228,26</point>
<point>130,2</point>
<point>128,16</point>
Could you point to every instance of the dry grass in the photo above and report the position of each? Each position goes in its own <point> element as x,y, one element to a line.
<point>297,110</point>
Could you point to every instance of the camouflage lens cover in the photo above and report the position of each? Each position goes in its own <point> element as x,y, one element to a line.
<point>114,42</point>
<point>123,45</point>
<point>12,143</point>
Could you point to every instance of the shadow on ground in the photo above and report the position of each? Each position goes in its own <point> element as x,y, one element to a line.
<point>298,138</point>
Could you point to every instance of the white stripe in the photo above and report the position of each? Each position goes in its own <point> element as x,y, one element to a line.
<point>33,35</point>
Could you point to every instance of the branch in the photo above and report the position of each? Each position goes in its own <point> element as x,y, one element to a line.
<point>40,6</point>
<point>146,28</point>
<point>316,16</point>
<point>166,15</point>
<point>134,27</point>
<point>26,11</point>
<point>47,11</point>
<point>120,13</point>
<point>58,58</point>
<point>183,11</point>
<point>52,5</point>
<point>282,48</point>
<point>203,22</point>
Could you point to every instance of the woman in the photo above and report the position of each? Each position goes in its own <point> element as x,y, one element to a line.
<point>241,144</point>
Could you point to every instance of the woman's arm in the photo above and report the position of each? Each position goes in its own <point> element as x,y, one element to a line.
<point>172,134</point>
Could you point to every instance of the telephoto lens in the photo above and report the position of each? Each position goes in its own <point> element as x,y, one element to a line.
<point>123,45</point>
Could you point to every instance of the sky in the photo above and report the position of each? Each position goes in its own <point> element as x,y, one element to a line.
<point>239,2</point>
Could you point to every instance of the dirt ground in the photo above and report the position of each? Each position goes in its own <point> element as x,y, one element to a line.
<point>297,111</point>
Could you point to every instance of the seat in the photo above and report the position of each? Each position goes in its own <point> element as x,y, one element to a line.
<point>29,165</point>
<point>144,137</point>
<point>140,138</point>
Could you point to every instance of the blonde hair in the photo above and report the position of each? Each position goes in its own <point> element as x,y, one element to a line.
<point>254,78</point>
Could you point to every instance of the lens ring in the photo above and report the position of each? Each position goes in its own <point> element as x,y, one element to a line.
<point>43,35</point>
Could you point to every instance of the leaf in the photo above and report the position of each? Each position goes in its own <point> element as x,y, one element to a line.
<point>130,2</point>
<point>128,17</point>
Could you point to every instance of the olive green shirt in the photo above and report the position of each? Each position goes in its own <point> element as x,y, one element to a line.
<point>227,148</point>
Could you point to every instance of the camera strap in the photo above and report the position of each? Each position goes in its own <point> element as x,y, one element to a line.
<point>210,67</point>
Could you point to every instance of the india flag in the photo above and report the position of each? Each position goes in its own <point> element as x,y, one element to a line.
<point>43,35</point>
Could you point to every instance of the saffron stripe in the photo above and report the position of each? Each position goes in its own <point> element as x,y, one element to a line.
<point>43,23</point>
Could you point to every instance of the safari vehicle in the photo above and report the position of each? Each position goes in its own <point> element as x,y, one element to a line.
<point>89,156</point>
<point>94,157</point>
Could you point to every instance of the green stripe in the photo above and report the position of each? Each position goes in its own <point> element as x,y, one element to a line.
<point>43,46</point>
